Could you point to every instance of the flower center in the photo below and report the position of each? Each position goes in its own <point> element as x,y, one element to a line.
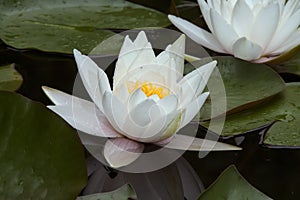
<point>149,89</point>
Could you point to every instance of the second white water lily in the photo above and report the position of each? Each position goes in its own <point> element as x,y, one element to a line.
<point>150,100</point>
<point>253,30</point>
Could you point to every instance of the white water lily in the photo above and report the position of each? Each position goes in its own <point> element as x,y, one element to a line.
<point>150,100</point>
<point>253,30</point>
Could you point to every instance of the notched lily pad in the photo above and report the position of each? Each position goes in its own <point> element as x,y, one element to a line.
<point>230,185</point>
<point>124,193</point>
<point>40,155</point>
<point>284,108</point>
<point>62,25</point>
<point>10,79</point>
<point>246,85</point>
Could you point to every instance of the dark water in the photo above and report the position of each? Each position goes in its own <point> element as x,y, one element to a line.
<point>276,172</point>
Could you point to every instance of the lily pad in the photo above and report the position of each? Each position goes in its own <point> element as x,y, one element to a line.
<point>246,84</point>
<point>40,155</point>
<point>10,79</point>
<point>289,62</point>
<point>286,132</point>
<point>62,25</point>
<point>284,107</point>
<point>124,193</point>
<point>230,185</point>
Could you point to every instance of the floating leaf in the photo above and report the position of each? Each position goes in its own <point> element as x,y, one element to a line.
<point>123,193</point>
<point>286,132</point>
<point>289,62</point>
<point>10,79</point>
<point>40,155</point>
<point>284,107</point>
<point>230,185</point>
<point>246,84</point>
<point>62,25</point>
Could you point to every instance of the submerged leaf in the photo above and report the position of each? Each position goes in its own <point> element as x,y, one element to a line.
<point>62,25</point>
<point>123,193</point>
<point>40,155</point>
<point>230,185</point>
<point>10,79</point>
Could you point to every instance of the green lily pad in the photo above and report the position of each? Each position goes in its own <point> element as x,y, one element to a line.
<point>286,132</point>
<point>40,155</point>
<point>288,62</point>
<point>283,107</point>
<point>246,85</point>
<point>10,79</point>
<point>62,25</point>
<point>123,193</point>
<point>230,185</point>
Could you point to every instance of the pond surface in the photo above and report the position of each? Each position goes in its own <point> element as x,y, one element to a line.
<point>273,171</point>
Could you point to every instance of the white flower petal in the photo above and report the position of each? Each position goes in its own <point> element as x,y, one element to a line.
<point>136,97</point>
<point>84,116</point>
<point>215,4</point>
<point>139,115</point>
<point>132,57</point>
<point>223,31</point>
<point>197,34</point>
<point>92,77</point>
<point>193,108</point>
<point>114,110</point>
<point>195,82</point>
<point>284,33</point>
<point>205,12</point>
<point>183,142</point>
<point>246,50</point>
<point>265,24</point>
<point>120,152</point>
<point>292,42</point>
<point>58,97</point>
<point>242,13</point>
<point>168,103</point>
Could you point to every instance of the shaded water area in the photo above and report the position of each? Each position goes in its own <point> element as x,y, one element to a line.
<point>274,171</point>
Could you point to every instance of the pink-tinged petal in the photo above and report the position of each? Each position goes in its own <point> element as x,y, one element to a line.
<point>197,34</point>
<point>265,59</point>
<point>183,142</point>
<point>114,110</point>
<point>120,152</point>
<point>193,108</point>
<point>85,116</point>
<point>265,24</point>
<point>223,31</point>
<point>246,50</point>
<point>242,18</point>
<point>92,77</point>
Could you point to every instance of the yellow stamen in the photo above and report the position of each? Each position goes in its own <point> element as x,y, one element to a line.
<point>149,89</point>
